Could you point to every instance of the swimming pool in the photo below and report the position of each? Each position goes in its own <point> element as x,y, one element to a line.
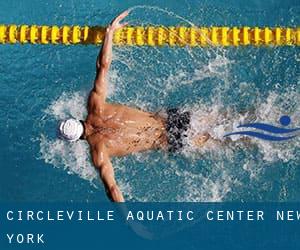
<point>42,84</point>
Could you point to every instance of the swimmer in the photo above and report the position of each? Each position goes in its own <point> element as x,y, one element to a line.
<point>114,130</point>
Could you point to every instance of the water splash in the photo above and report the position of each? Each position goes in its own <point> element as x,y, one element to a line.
<point>215,85</point>
<point>74,158</point>
<point>192,185</point>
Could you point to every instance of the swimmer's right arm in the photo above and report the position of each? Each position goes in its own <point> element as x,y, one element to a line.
<point>103,164</point>
<point>105,56</point>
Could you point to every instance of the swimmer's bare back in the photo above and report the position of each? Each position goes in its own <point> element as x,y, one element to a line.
<point>123,130</point>
<point>113,129</point>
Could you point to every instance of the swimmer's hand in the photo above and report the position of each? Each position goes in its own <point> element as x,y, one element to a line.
<point>115,24</point>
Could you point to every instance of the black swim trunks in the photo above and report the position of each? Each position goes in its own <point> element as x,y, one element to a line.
<point>177,125</point>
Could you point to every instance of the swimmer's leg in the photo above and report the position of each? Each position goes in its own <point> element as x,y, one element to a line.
<point>200,140</point>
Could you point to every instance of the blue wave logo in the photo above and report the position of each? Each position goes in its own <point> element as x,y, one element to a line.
<point>279,133</point>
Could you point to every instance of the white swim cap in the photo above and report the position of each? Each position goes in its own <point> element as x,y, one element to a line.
<point>70,130</point>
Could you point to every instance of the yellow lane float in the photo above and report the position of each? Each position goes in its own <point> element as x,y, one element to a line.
<point>152,35</point>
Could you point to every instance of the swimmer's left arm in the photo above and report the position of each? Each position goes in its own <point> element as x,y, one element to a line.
<point>105,56</point>
<point>103,164</point>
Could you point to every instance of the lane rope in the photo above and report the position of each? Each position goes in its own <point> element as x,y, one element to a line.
<point>152,35</point>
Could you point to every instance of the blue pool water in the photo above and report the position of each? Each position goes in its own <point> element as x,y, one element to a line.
<point>42,84</point>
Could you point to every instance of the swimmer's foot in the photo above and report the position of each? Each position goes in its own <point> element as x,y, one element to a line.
<point>200,140</point>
